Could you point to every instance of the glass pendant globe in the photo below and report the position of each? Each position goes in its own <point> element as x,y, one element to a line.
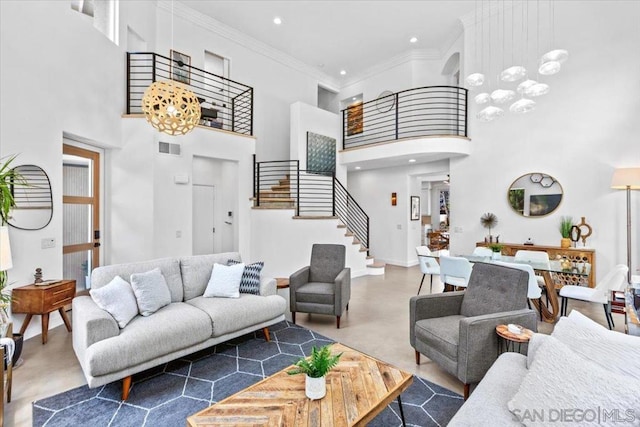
<point>482,98</point>
<point>522,87</point>
<point>523,106</point>
<point>513,73</point>
<point>537,89</point>
<point>549,68</point>
<point>500,96</point>
<point>490,113</point>
<point>558,55</point>
<point>475,79</point>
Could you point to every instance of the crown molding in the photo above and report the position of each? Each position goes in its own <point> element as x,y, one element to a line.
<point>411,55</point>
<point>223,30</point>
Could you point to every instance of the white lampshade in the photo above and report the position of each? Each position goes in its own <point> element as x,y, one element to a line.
<point>5,249</point>
<point>537,89</point>
<point>482,98</point>
<point>475,79</point>
<point>626,177</point>
<point>522,106</point>
<point>548,68</point>
<point>500,96</point>
<point>490,113</point>
<point>522,87</point>
<point>558,55</point>
<point>513,73</point>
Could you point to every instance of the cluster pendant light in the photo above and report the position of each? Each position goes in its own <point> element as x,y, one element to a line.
<point>170,106</point>
<point>513,79</point>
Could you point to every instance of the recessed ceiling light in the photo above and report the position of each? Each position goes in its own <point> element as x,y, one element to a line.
<point>413,39</point>
<point>357,168</point>
<point>343,72</point>
<point>412,160</point>
<point>277,20</point>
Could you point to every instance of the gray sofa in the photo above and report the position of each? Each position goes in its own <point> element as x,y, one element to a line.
<point>190,323</point>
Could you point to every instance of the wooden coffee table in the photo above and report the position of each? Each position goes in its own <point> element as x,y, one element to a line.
<point>358,389</point>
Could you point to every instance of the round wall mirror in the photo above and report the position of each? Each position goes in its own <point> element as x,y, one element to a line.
<point>34,203</point>
<point>535,195</point>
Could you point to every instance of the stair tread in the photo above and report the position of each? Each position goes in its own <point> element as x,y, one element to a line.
<point>275,200</point>
<point>370,257</point>
<point>378,264</point>
<point>314,217</point>
<point>342,226</point>
<point>348,234</point>
<point>273,207</point>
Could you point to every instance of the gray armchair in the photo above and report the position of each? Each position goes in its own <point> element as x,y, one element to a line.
<point>324,287</point>
<point>457,329</point>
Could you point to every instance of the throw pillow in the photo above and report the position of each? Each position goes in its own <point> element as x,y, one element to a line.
<point>250,282</point>
<point>612,350</point>
<point>224,281</point>
<point>562,388</point>
<point>535,343</point>
<point>117,299</point>
<point>151,291</point>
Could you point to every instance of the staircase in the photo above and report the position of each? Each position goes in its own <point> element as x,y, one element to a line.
<point>315,196</point>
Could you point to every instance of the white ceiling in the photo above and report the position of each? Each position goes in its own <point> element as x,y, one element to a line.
<point>351,35</point>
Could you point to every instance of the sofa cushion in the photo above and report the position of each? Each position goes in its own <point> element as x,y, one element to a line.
<point>170,268</point>
<point>224,281</point>
<point>560,379</point>
<point>229,315</point>
<point>250,282</point>
<point>117,299</point>
<point>196,271</point>
<point>317,292</point>
<point>151,291</point>
<point>173,327</point>
<point>609,349</point>
<point>487,405</point>
<point>441,333</point>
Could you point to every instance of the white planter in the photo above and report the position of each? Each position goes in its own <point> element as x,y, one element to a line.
<point>496,255</point>
<point>315,388</point>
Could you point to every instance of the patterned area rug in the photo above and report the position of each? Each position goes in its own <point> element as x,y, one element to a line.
<point>168,394</point>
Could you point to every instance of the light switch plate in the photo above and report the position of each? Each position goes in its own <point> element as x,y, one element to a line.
<point>48,243</point>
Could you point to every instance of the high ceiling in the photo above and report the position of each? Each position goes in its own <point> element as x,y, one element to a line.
<point>343,35</point>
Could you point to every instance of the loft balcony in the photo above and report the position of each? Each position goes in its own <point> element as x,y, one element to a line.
<point>225,104</point>
<point>427,124</point>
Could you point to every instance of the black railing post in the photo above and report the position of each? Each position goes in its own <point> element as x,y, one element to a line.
<point>128,83</point>
<point>466,110</point>
<point>368,236</point>
<point>333,193</point>
<point>251,117</point>
<point>257,190</point>
<point>344,127</point>
<point>254,175</point>
<point>153,68</point>
<point>297,187</point>
<point>233,114</point>
<point>397,115</point>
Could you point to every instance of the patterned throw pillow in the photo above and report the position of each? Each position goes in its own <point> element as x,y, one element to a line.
<point>250,282</point>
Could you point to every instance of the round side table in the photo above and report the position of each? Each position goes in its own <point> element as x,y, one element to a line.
<point>509,340</point>
<point>282,282</point>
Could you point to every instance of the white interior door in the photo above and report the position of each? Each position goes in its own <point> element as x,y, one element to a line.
<point>204,232</point>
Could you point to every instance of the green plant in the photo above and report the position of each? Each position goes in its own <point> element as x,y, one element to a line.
<point>318,364</point>
<point>566,222</point>
<point>495,247</point>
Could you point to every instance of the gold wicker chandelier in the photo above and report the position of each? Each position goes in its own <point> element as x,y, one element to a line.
<point>170,107</point>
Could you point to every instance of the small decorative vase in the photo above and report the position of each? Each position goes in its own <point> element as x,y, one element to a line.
<point>315,388</point>
<point>565,242</point>
<point>565,264</point>
<point>496,255</point>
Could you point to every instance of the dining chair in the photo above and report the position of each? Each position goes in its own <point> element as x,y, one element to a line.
<point>482,251</point>
<point>524,255</point>
<point>601,294</point>
<point>428,265</point>
<point>533,291</point>
<point>455,271</point>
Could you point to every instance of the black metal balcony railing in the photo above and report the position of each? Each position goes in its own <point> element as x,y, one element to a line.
<point>412,113</point>
<point>225,104</point>
<point>310,193</point>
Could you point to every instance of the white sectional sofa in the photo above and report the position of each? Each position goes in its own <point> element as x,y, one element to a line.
<point>189,323</point>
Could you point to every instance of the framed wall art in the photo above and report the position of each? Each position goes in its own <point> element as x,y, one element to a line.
<point>180,67</point>
<point>415,208</point>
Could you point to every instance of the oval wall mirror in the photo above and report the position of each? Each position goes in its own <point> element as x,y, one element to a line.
<point>34,203</point>
<point>535,195</point>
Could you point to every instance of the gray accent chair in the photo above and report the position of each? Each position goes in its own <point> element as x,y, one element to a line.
<point>457,329</point>
<point>323,287</point>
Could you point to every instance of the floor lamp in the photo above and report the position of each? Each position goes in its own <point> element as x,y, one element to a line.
<point>627,179</point>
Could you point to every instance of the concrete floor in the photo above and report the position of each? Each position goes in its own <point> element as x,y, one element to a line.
<point>377,323</point>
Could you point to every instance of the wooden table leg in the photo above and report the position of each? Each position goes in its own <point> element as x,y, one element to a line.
<point>45,327</point>
<point>550,313</point>
<point>25,323</point>
<point>65,318</point>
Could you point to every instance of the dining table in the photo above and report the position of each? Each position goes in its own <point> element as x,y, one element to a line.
<point>549,311</point>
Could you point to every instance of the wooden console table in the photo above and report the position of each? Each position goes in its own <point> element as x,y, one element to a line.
<point>579,258</point>
<point>43,299</point>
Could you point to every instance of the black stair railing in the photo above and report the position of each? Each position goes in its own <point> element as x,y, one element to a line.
<point>282,183</point>
<point>225,104</point>
<point>412,113</point>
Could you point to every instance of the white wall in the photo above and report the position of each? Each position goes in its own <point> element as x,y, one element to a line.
<point>581,131</point>
<point>393,235</point>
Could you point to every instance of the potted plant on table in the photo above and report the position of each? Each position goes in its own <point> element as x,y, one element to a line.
<point>496,249</point>
<point>315,368</point>
<point>566,222</point>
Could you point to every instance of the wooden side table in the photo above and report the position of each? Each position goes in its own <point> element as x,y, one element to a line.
<point>509,339</point>
<point>282,282</point>
<point>43,299</point>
